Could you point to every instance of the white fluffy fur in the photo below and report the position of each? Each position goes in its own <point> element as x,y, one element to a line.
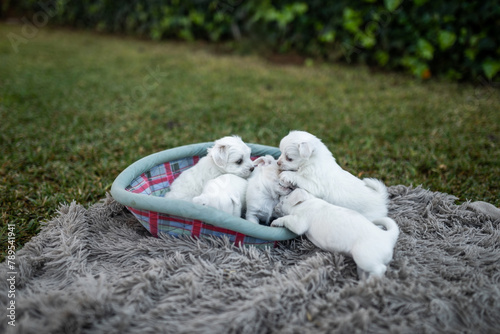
<point>226,193</point>
<point>337,229</point>
<point>307,163</point>
<point>263,190</point>
<point>229,155</point>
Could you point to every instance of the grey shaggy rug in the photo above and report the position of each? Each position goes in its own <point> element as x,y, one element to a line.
<point>97,270</point>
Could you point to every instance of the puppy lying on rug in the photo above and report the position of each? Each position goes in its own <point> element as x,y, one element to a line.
<point>337,229</point>
<point>229,155</point>
<point>307,163</point>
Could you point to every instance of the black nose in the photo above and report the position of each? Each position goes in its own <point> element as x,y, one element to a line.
<point>251,169</point>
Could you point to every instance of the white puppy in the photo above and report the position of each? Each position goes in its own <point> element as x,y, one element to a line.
<point>337,229</point>
<point>263,190</point>
<point>307,163</point>
<point>226,193</point>
<point>229,155</point>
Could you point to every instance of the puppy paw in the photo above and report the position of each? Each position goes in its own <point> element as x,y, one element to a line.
<point>287,179</point>
<point>283,191</point>
<point>278,223</point>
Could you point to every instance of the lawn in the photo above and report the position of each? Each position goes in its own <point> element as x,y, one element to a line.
<point>77,108</point>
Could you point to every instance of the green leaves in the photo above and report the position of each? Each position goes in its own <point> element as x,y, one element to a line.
<point>382,57</point>
<point>456,39</point>
<point>351,20</point>
<point>419,3</point>
<point>327,36</point>
<point>416,66</point>
<point>392,5</point>
<point>425,49</point>
<point>446,39</point>
<point>491,67</point>
<point>283,16</point>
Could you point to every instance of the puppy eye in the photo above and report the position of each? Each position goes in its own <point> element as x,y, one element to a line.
<point>239,162</point>
<point>288,158</point>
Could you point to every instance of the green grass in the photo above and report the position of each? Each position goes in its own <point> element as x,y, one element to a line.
<point>77,108</point>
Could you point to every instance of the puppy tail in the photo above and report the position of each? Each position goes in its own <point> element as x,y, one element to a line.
<point>378,186</point>
<point>390,226</point>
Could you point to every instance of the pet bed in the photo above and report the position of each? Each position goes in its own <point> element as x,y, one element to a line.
<point>141,188</point>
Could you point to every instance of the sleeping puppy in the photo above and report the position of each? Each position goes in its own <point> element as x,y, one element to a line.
<point>263,190</point>
<point>226,193</point>
<point>337,229</point>
<point>229,155</point>
<point>307,163</point>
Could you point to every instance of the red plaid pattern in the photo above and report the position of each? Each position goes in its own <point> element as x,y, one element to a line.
<point>156,182</point>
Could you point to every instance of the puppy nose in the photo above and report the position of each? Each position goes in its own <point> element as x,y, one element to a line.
<point>279,162</point>
<point>251,169</point>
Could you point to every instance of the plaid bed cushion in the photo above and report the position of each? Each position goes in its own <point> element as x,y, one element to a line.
<point>156,182</point>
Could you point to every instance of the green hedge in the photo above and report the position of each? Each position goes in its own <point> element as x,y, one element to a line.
<point>455,39</point>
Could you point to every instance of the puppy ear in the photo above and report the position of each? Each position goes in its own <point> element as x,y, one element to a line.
<point>298,196</point>
<point>219,155</point>
<point>305,150</point>
<point>259,161</point>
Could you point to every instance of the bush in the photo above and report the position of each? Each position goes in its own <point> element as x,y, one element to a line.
<point>458,40</point>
